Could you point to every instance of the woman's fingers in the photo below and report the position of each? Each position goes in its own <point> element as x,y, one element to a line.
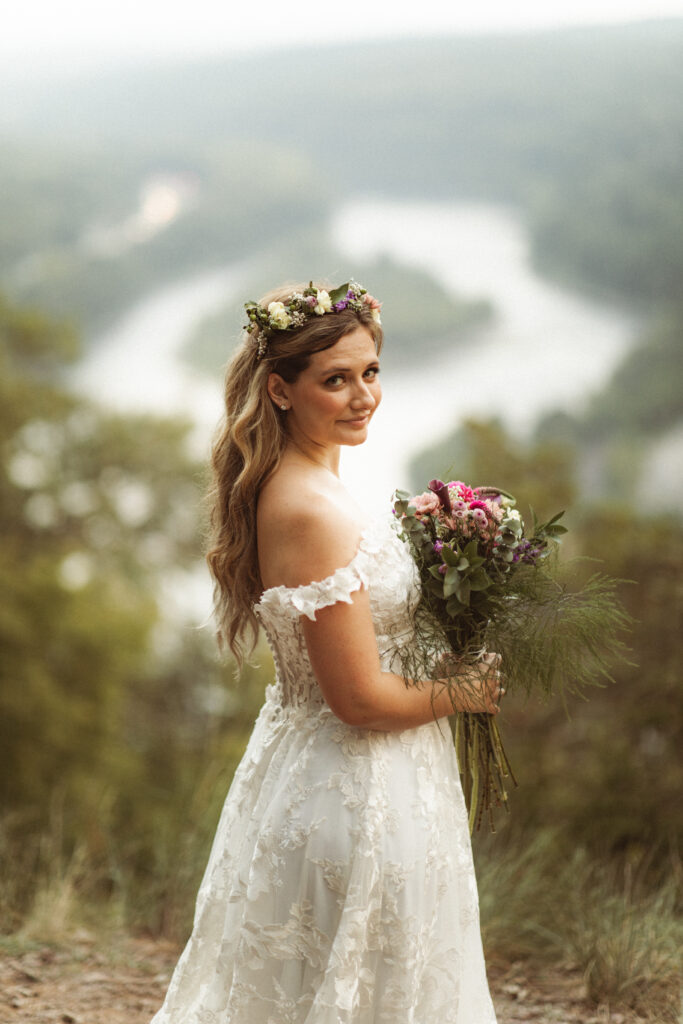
<point>495,689</point>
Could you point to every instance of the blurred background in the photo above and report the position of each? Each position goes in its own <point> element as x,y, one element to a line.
<point>508,183</point>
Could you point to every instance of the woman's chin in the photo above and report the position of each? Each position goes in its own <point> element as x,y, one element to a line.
<point>355,435</point>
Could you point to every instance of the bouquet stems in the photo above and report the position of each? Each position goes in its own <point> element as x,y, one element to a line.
<point>484,766</point>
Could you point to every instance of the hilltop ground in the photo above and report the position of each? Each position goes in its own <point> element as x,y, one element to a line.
<point>125,983</point>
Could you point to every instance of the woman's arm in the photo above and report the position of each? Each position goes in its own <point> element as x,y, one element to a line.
<point>343,652</point>
<point>343,649</point>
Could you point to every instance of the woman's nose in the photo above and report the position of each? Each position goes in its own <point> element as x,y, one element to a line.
<point>363,396</point>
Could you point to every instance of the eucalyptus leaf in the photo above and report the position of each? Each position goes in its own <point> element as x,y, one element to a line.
<point>454,607</point>
<point>471,550</point>
<point>339,293</point>
<point>479,580</point>
<point>449,556</point>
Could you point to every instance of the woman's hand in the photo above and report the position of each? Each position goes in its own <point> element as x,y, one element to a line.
<point>477,688</point>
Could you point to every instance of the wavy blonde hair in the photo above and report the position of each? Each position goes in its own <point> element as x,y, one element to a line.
<point>247,449</point>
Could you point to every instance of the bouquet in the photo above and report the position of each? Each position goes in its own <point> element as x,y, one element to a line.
<point>487,585</point>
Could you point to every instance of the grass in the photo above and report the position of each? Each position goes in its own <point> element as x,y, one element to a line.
<point>617,921</point>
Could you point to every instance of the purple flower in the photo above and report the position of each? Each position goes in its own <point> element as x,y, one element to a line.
<point>441,490</point>
<point>343,303</point>
<point>443,569</point>
<point>438,545</point>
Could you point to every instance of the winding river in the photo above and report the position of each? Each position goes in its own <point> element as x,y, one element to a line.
<point>547,347</point>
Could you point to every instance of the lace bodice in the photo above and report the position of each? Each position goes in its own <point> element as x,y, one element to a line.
<point>383,565</point>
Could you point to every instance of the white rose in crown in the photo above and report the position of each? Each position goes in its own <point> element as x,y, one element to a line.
<point>323,304</point>
<point>279,316</point>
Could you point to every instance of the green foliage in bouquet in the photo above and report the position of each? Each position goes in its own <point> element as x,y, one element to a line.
<point>486,586</point>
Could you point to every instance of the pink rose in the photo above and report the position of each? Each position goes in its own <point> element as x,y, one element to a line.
<point>426,503</point>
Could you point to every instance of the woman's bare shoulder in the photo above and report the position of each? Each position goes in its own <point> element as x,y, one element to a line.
<point>305,531</point>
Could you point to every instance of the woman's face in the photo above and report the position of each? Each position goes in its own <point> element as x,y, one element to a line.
<point>332,402</point>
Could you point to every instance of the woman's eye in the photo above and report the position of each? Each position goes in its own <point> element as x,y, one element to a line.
<point>338,378</point>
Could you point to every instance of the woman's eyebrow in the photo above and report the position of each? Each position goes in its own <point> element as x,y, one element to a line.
<point>346,369</point>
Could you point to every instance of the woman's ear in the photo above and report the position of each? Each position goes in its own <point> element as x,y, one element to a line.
<point>278,391</point>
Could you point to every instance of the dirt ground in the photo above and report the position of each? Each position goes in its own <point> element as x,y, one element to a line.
<point>125,984</point>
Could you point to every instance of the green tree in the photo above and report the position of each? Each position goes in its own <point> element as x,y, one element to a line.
<point>118,733</point>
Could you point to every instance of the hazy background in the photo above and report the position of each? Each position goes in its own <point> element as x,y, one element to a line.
<point>509,184</point>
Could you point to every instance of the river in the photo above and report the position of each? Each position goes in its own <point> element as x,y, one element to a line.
<point>547,348</point>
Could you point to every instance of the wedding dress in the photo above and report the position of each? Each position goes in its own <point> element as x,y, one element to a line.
<point>340,888</point>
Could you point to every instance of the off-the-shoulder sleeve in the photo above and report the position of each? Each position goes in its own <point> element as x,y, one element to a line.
<point>311,597</point>
<point>339,586</point>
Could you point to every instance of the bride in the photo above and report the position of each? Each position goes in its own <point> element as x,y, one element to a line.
<point>340,887</point>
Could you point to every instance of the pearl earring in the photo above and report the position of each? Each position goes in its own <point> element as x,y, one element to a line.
<point>283,406</point>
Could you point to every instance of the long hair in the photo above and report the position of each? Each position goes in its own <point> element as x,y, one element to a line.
<point>247,449</point>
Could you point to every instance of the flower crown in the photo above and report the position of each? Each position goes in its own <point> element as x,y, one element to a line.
<point>303,306</point>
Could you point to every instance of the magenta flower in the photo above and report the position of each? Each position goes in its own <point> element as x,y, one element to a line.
<point>465,492</point>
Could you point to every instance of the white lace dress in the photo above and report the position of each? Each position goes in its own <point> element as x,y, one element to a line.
<point>340,888</point>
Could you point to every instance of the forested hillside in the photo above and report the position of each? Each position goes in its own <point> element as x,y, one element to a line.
<point>580,128</point>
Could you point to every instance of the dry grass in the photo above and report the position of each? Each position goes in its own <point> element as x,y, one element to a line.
<point>619,924</point>
<point>616,922</point>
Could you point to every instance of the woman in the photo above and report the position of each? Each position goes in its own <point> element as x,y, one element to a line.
<point>340,887</point>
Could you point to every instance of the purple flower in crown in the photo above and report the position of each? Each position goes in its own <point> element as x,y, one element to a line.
<point>441,491</point>
<point>343,303</point>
